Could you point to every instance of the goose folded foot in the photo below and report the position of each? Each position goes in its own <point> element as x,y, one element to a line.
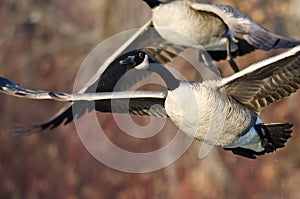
<point>232,63</point>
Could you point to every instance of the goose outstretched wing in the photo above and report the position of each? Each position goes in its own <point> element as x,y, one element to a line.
<point>265,82</point>
<point>143,103</point>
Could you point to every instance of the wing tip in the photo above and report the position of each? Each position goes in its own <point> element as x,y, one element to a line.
<point>22,130</point>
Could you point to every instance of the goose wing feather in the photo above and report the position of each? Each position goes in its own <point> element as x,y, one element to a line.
<point>265,82</point>
<point>143,103</point>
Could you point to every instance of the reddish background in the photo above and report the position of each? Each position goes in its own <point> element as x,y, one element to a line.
<point>42,44</point>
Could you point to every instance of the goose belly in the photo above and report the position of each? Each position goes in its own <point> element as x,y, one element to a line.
<point>206,114</point>
<point>178,23</point>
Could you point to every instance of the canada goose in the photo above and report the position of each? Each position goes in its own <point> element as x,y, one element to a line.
<point>222,30</point>
<point>232,103</point>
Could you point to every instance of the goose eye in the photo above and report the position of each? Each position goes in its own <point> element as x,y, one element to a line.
<point>141,55</point>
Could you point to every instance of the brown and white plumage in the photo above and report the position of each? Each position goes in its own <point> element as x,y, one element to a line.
<point>241,25</point>
<point>267,81</point>
<point>207,112</point>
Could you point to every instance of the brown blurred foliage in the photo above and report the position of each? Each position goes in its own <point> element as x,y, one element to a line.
<point>42,44</point>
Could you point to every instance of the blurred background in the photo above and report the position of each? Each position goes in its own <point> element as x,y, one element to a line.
<point>42,44</point>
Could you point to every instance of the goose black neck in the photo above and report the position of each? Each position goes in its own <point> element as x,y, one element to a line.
<point>171,81</point>
<point>152,3</point>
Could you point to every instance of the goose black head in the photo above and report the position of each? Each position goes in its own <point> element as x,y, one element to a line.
<point>137,59</point>
<point>152,3</point>
<point>140,60</point>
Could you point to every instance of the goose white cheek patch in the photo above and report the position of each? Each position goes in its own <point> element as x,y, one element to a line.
<point>144,65</point>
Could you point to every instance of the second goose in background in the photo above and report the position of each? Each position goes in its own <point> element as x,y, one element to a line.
<point>222,30</point>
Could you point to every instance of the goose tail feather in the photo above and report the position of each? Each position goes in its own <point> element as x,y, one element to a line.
<point>273,136</point>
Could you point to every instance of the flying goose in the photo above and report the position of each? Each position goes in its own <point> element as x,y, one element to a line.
<point>228,108</point>
<point>222,30</point>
